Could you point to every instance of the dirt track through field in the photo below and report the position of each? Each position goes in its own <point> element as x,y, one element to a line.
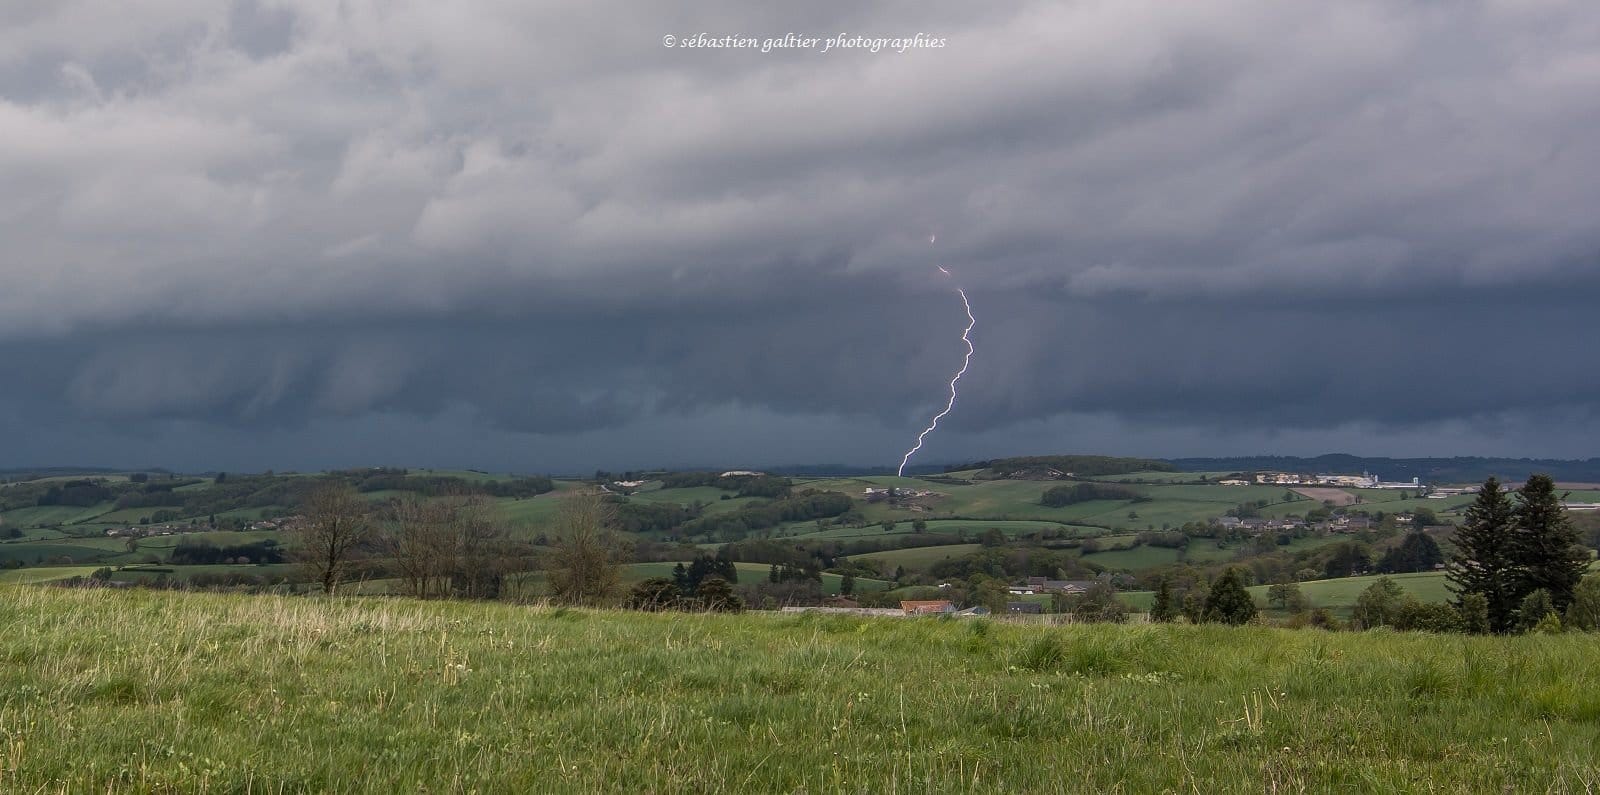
<point>1338,496</point>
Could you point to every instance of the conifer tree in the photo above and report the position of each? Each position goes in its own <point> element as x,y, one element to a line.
<point>1545,544</point>
<point>1164,608</point>
<point>1228,602</point>
<point>1484,563</point>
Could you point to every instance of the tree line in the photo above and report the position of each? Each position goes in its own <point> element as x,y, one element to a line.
<point>1062,496</point>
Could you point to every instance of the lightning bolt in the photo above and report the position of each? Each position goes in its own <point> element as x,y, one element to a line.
<point>966,336</point>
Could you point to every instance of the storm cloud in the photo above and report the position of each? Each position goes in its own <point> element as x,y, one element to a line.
<point>291,233</point>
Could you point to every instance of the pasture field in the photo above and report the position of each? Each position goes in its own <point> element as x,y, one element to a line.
<point>1389,501</point>
<point>1134,559</point>
<point>250,513</point>
<point>1205,550</point>
<point>45,574</point>
<point>32,534</point>
<point>918,558</point>
<point>1337,594</point>
<point>144,573</point>
<point>971,527</point>
<point>51,515</point>
<point>270,694</point>
<point>32,553</point>
<point>529,512</point>
<point>534,581</point>
<point>1161,477</point>
<point>1335,496</point>
<point>748,573</point>
<point>709,495</point>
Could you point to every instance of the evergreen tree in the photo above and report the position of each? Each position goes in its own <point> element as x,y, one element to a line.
<point>717,595</point>
<point>1474,610</point>
<point>1545,545</point>
<point>1228,602</point>
<point>1347,559</point>
<point>1417,552</point>
<point>1164,608</point>
<point>1194,604</point>
<point>1484,563</point>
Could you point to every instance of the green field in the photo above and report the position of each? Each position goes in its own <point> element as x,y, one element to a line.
<point>748,573</point>
<point>50,515</point>
<point>239,694</point>
<point>1134,559</point>
<point>1341,593</point>
<point>705,494</point>
<point>972,527</point>
<point>48,551</point>
<point>44,574</point>
<point>916,558</point>
<point>534,581</point>
<point>142,573</point>
<point>530,512</point>
<point>1019,500</point>
<point>1161,477</point>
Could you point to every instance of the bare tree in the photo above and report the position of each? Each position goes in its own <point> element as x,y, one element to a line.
<point>586,555</point>
<point>336,525</point>
<point>482,550</point>
<point>452,546</point>
<point>418,537</point>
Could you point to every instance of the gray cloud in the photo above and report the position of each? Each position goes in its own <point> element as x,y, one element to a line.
<point>529,225</point>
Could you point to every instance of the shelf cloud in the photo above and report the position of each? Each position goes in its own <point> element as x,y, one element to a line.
<point>531,236</point>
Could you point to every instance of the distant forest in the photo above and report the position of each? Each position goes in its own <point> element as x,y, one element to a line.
<point>1466,469</point>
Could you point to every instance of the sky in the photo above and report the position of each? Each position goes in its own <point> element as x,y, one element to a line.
<point>531,236</point>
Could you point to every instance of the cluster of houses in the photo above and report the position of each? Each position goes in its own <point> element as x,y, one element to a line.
<point>876,495</point>
<point>1334,524</point>
<point>944,607</point>
<point>1044,585</point>
<point>144,530</point>
<point>1362,481</point>
<point>907,609</point>
<point>188,526</point>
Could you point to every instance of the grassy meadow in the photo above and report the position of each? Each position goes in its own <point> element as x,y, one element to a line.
<point>166,692</point>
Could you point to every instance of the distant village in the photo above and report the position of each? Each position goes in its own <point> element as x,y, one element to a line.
<point>1361,481</point>
<point>191,526</point>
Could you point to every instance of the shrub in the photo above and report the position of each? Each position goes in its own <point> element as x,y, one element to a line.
<point>1378,606</point>
<point>1584,612</point>
<point>656,593</point>
<point>1535,607</point>
<point>1228,602</point>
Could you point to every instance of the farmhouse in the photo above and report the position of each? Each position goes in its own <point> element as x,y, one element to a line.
<point>1039,585</point>
<point>931,607</point>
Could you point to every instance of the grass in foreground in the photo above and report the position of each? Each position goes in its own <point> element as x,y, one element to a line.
<point>108,690</point>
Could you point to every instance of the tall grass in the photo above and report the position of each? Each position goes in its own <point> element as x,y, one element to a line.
<point>149,691</point>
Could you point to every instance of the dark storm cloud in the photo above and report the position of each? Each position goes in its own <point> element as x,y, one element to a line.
<point>533,226</point>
